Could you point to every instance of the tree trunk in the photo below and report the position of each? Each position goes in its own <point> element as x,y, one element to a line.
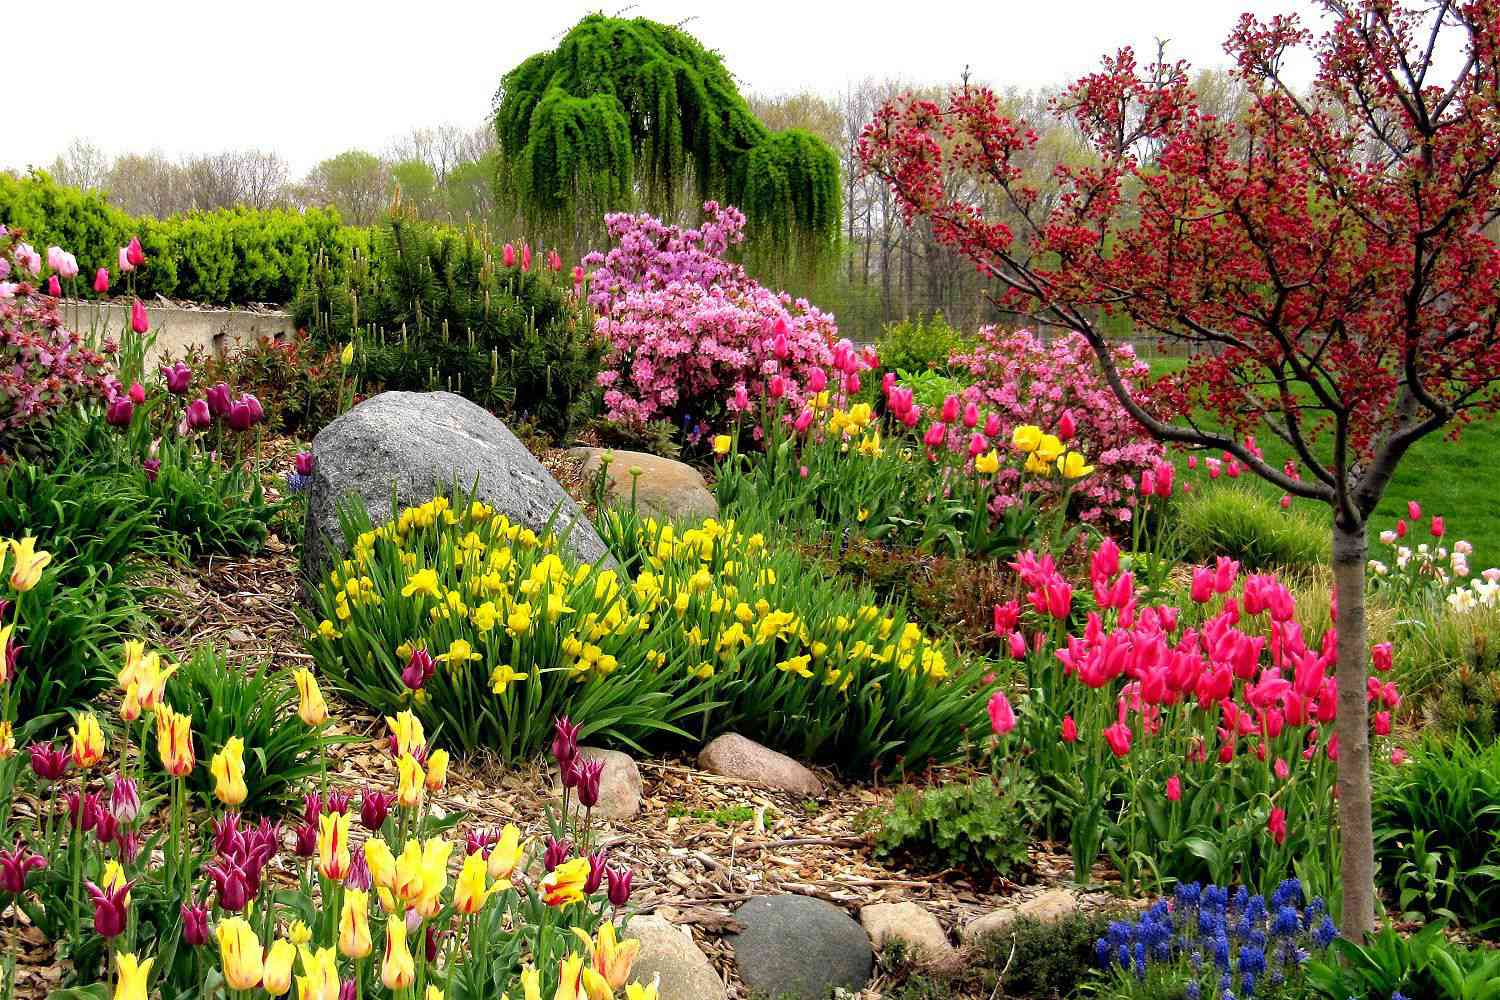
<point>1357,866</point>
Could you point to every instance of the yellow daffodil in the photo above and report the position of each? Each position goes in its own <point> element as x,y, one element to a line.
<point>239,953</point>
<point>354,924</point>
<point>796,665</point>
<point>518,622</point>
<point>228,770</point>
<point>610,956</point>
<point>311,708</point>
<point>422,582</point>
<point>277,972</point>
<point>321,981</point>
<point>27,572</point>
<point>505,855</point>
<point>564,884</point>
<point>397,971</point>
<point>88,740</point>
<point>502,677</point>
<point>131,976</point>
<point>333,845</point>
<point>412,781</point>
<point>437,771</point>
<point>1073,466</point>
<point>459,653</point>
<point>988,463</point>
<point>174,742</point>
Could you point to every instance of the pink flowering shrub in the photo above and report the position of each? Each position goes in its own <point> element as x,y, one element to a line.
<point>1028,381</point>
<point>43,365</point>
<point>690,334</point>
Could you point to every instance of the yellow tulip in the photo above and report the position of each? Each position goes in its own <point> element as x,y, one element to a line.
<point>132,653</point>
<point>5,645</point>
<point>595,987</point>
<point>113,877</point>
<point>333,845</point>
<point>407,728</point>
<point>228,769</point>
<point>988,463</point>
<point>132,976</point>
<point>412,781</point>
<point>322,979</point>
<point>88,740</point>
<point>564,884</point>
<point>239,953</point>
<point>611,957</point>
<point>277,972</point>
<point>7,740</point>
<point>381,861</point>
<point>29,564</point>
<point>421,874</point>
<point>346,356</point>
<point>531,983</point>
<point>506,854</point>
<point>299,933</point>
<point>174,742</point>
<point>151,681</point>
<point>1073,466</point>
<point>312,709</point>
<point>1026,437</point>
<point>433,993</point>
<point>635,991</point>
<point>398,971</point>
<point>437,771</point>
<point>570,978</point>
<point>721,444</point>
<point>1048,448</point>
<point>354,924</point>
<point>470,895</point>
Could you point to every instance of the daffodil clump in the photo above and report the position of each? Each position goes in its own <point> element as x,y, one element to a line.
<point>956,478</point>
<point>481,627</point>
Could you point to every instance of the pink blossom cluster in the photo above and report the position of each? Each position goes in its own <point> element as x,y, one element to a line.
<point>1026,380</point>
<point>691,334</point>
<point>43,365</point>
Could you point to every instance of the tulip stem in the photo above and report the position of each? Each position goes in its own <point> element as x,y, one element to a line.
<point>75,857</point>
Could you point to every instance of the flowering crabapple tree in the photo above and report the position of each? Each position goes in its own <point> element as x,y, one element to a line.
<point>1324,253</point>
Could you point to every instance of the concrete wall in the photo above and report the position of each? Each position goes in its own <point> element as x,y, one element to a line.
<point>177,329</point>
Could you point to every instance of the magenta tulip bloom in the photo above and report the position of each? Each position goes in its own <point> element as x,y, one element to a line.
<point>198,415</point>
<point>239,417</point>
<point>1118,737</point>
<point>179,378</point>
<point>1066,427</point>
<point>304,463</point>
<point>564,741</point>
<point>374,807</point>
<point>134,253</point>
<point>137,393</point>
<point>195,924</point>
<point>526,256</point>
<point>139,321</point>
<point>619,886</point>
<point>54,287</point>
<point>556,853</point>
<point>597,870</point>
<point>124,800</point>
<point>101,280</point>
<point>218,400</point>
<point>508,255</point>
<point>1174,789</point>
<point>119,412</point>
<point>110,908</point>
<point>1002,716</point>
<point>15,865</point>
<point>589,773</point>
<point>1069,730</point>
<point>419,669</point>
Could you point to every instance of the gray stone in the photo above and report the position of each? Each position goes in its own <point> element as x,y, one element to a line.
<point>665,487</point>
<point>420,443</point>
<point>619,784</point>
<point>907,923</point>
<point>734,756</point>
<point>1048,907</point>
<point>800,948</point>
<point>669,951</point>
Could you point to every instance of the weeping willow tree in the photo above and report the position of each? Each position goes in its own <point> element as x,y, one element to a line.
<point>630,114</point>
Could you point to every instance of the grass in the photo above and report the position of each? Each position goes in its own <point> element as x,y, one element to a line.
<point>1456,479</point>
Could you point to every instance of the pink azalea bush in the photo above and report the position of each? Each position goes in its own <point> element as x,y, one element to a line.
<point>1026,380</point>
<point>43,365</point>
<point>691,335</point>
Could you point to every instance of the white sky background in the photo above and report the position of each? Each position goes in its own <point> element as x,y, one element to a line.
<point>312,78</point>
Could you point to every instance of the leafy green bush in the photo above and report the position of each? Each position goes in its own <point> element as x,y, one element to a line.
<point>433,308</point>
<point>1435,818</point>
<point>296,382</point>
<point>921,344</point>
<point>1425,965</point>
<point>211,509</point>
<point>259,706</point>
<point>1047,961</point>
<point>1244,524</point>
<point>976,827</point>
<point>224,257</point>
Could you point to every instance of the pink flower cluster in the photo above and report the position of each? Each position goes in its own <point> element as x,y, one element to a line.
<point>43,365</point>
<point>1027,380</point>
<point>691,334</point>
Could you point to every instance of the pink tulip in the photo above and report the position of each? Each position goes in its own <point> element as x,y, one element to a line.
<point>887,383</point>
<point>1398,756</point>
<point>971,415</point>
<point>817,380</point>
<point>1002,717</point>
<point>1118,737</point>
<point>198,415</point>
<point>139,322</point>
<point>1280,769</point>
<point>54,287</point>
<point>1382,723</point>
<point>101,280</point>
<point>1400,528</point>
<point>1069,730</point>
<point>1276,823</point>
<point>804,421</point>
<point>554,260</point>
<point>802,472</point>
<point>304,463</point>
<point>851,383</point>
<point>950,410</point>
<point>992,425</point>
<point>1203,584</point>
<point>179,378</point>
<point>577,274</point>
<point>1006,616</point>
<point>1066,428</point>
<point>119,412</point>
<point>1164,473</point>
<point>1413,510</point>
<point>125,266</point>
<point>137,393</point>
<point>508,255</point>
<point>935,435</point>
<point>526,256</point>
<point>54,258</point>
<point>1436,526</point>
<point>1148,483</point>
<point>1017,646</point>
<point>1286,501</point>
<point>778,387</point>
<point>977,444</point>
<point>218,400</point>
<point>741,398</point>
<point>1381,656</point>
<point>134,253</point>
<point>1174,789</point>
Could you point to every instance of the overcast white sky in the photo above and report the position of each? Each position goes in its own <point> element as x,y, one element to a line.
<point>311,78</point>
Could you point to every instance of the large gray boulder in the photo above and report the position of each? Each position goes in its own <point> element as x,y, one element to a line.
<point>800,948</point>
<point>668,952</point>
<point>422,442</point>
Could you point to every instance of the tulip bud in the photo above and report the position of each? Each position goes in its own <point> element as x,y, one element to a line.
<point>152,466</point>
<point>101,280</point>
<point>137,393</point>
<point>119,412</point>
<point>54,287</point>
<point>198,415</point>
<point>589,773</point>
<point>619,886</point>
<point>139,321</point>
<point>419,669</point>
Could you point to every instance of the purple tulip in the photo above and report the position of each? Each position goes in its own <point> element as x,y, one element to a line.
<point>106,827</point>
<point>218,399</point>
<point>418,670</point>
<point>589,773</point>
<point>109,908</point>
<point>231,882</point>
<point>239,416</point>
<point>305,463</point>
<point>359,876</point>
<point>119,412</point>
<point>564,742</point>
<point>152,467</point>
<point>15,865</point>
<point>124,800</point>
<point>597,869</point>
<point>337,802</point>
<point>556,853</point>
<point>179,378</point>
<point>48,762</point>
<point>199,415</point>
<point>374,807</point>
<point>195,924</point>
<point>129,843</point>
<point>619,885</point>
<point>307,840</point>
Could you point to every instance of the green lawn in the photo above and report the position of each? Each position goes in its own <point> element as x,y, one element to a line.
<point>1456,479</point>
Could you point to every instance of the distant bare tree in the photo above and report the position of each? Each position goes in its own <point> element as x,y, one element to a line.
<point>148,184</point>
<point>263,179</point>
<point>443,148</point>
<point>81,165</point>
<point>213,181</point>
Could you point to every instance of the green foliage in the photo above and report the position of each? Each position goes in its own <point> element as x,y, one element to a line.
<point>923,344</point>
<point>212,509</point>
<point>434,308</point>
<point>224,257</point>
<point>627,105</point>
<point>1425,965</point>
<point>975,827</point>
<point>929,388</point>
<point>1046,961</point>
<point>1243,523</point>
<point>259,706</point>
<point>296,382</point>
<point>1437,832</point>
